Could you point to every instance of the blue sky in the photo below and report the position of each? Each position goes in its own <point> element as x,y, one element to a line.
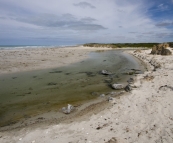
<point>69,22</point>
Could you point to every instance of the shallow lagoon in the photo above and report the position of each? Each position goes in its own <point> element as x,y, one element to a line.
<point>31,93</point>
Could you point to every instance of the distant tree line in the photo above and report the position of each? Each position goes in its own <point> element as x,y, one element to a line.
<point>123,45</point>
<point>170,44</point>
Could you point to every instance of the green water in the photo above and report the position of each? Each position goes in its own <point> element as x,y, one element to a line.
<point>31,93</point>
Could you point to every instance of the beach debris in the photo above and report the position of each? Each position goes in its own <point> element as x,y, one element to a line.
<point>102,95</point>
<point>165,87</point>
<point>161,49</point>
<point>117,86</point>
<point>68,109</point>
<point>105,72</point>
<point>112,140</point>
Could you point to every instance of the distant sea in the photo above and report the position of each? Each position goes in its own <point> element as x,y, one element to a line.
<point>32,46</point>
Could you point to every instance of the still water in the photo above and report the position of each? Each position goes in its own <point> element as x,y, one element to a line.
<point>31,93</point>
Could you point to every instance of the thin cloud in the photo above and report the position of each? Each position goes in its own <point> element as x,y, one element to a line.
<point>164,24</point>
<point>84,5</point>
<point>162,7</point>
<point>66,21</point>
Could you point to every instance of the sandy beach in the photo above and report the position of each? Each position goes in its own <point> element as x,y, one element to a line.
<point>143,115</point>
<point>19,60</point>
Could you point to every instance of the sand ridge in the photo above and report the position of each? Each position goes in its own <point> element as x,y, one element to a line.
<point>144,115</point>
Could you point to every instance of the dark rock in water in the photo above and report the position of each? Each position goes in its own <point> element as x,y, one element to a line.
<point>128,88</point>
<point>136,69</point>
<point>90,74</point>
<point>117,86</point>
<point>68,109</point>
<point>14,77</point>
<point>40,118</point>
<point>108,80</point>
<point>130,81</point>
<point>67,73</point>
<point>130,73</point>
<point>105,72</point>
<point>56,72</point>
<point>52,83</point>
<point>95,93</point>
<point>28,93</point>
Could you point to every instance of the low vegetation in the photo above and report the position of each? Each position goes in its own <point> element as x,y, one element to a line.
<point>124,45</point>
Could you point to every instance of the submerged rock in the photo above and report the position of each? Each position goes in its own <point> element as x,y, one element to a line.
<point>95,93</point>
<point>68,109</point>
<point>102,95</point>
<point>52,83</point>
<point>105,72</point>
<point>109,80</point>
<point>117,86</point>
<point>130,81</point>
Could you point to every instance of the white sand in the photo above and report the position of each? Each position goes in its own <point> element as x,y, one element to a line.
<point>143,116</point>
<point>18,60</point>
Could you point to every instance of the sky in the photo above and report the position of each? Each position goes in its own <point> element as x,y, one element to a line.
<point>70,22</point>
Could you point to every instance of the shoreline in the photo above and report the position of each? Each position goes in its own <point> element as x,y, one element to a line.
<point>144,115</point>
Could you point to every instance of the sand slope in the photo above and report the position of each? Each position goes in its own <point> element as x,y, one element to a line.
<point>144,115</point>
